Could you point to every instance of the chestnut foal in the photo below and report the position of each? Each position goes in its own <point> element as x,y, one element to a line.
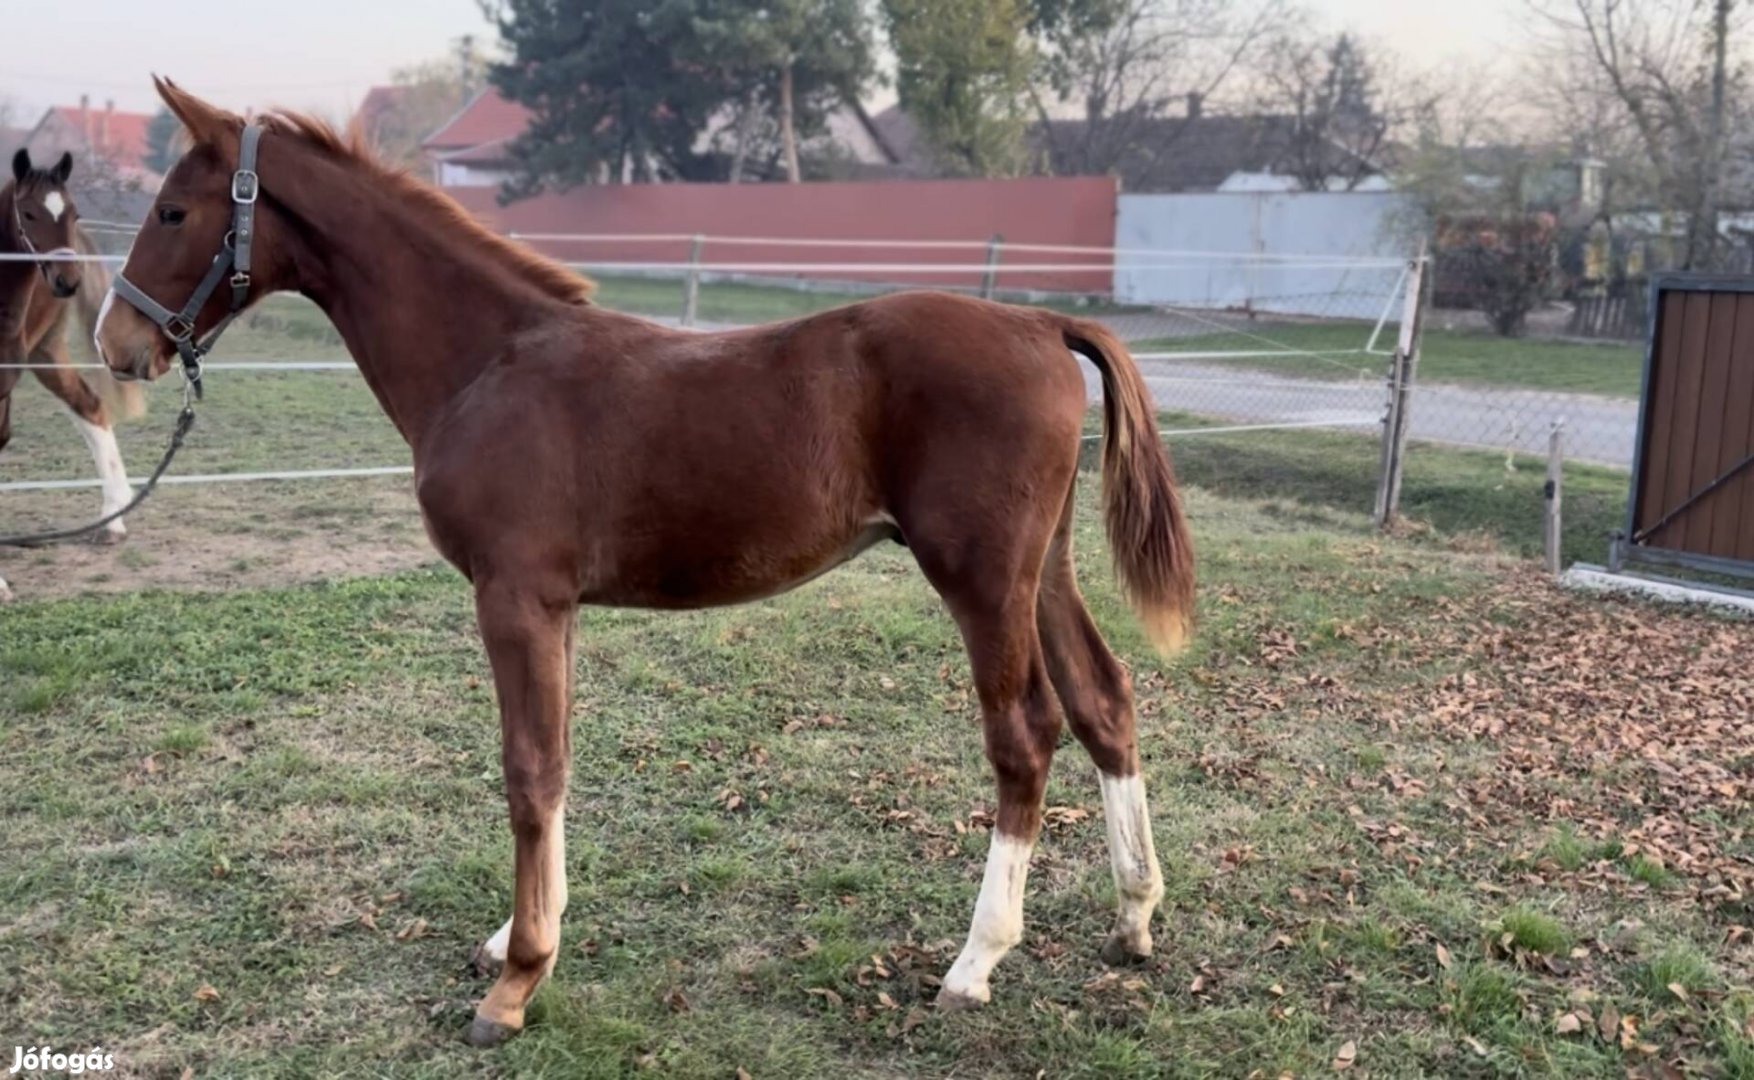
<point>38,219</point>
<point>569,455</point>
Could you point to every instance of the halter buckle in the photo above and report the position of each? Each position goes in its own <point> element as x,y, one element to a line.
<point>178,329</point>
<point>240,279</point>
<point>244,186</point>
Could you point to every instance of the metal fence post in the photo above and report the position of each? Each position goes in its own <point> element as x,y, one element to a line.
<point>1553,493</point>
<point>1402,369</point>
<point>691,288</point>
<point>990,280</point>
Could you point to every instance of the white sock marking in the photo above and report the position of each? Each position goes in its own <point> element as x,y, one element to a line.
<point>5,591</point>
<point>97,328</point>
<point>101,441</point>
<point>495,946</point>
<point>1138,878</point>
<point>998,918</point>
<point>554,884</point>
<point>55,204</point>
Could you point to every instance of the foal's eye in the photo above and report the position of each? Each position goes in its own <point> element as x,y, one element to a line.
<point>30,215</point>
<point>169,215</point>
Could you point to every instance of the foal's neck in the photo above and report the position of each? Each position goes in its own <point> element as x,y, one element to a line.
<point>421,310</point>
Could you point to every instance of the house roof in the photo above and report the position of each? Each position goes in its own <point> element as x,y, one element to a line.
<point>118,137</point>
<point>1169,154</point>
<point>488,117</point>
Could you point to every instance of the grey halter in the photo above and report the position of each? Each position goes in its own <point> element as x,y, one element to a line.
<point>234,256</point>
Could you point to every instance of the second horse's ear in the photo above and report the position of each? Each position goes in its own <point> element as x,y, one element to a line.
<point>63,168</point>
<point>21,164</point>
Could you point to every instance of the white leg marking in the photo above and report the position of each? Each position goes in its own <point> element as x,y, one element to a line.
<point>554,890</point>
<point>998,918</point>
<point>97,328</point>
<point>495,946</point>
<point>101,441</point>
<point>5,592</point>
<point>55,205</point>
<point>1138,878</point>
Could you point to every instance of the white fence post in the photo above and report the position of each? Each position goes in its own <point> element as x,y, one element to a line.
<point>1401,373</point>
<point>691,287</point>
<point>1552,494</point>
<point>990,280</point>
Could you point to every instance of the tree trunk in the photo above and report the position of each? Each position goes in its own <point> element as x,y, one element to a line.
<point>1702,229</point>
<point>788,136</point>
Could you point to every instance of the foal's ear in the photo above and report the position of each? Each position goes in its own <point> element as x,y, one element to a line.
<point>205,123</point>
<point>21,164</point>
<point>63,168</point>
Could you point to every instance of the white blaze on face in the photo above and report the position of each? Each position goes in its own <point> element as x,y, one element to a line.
<point>1138,879</point>
<point>998,918</point>
<point>55,205</point>
<point>101,441</point>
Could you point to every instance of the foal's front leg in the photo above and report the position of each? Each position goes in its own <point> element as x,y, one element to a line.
<point>529,633</point>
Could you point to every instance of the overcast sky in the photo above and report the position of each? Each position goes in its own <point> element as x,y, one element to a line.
<point>324,54</point>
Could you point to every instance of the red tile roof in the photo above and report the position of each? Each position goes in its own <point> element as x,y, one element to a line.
<point>489,117</point>
<point>117,136</point>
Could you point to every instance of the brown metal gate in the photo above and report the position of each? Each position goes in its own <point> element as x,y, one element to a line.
<point>1692,499</point>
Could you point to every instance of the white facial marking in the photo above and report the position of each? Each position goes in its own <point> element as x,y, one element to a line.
<point>998,918</point>
<point>101,441</point>
<point>55,205</point>
<point>1138,879</point>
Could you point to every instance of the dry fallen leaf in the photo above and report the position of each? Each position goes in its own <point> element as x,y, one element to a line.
<point>206,992</point>
<point>824,992</point>
<point>1346,1056</point>
<point>1443,958</point>
<point>1678,990</point>
<point>1568,1024</point>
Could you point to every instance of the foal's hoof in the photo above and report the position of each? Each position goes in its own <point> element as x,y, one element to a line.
<point>956,1001</point>
<point>484,1032</point>
<point>109,536</point>
<point>1122,951</point>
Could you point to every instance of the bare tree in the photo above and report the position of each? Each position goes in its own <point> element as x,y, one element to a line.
<point>1341,106</point>
<point>1659,72</point>
<point>1123,71</point>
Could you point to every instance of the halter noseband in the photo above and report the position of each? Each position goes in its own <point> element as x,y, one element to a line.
<point>234,255</point>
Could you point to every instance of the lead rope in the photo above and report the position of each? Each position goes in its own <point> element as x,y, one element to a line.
<point>185,421</point>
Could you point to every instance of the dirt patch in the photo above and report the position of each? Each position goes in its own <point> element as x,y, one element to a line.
<point>222,536</point>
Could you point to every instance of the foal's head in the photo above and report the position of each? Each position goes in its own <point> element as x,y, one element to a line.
<point>42,218</point>
<point>190,222</point>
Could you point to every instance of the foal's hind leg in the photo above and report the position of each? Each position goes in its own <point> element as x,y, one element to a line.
<point>529,635</point>
<point>93,422</point>
<point>1098,701</point>
<point>989,585</point>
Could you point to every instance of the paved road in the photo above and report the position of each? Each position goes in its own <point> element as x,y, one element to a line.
<point>1598,429</point>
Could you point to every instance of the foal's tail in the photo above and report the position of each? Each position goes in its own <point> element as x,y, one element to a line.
<point>1154,558</point>
<point>125,400</point>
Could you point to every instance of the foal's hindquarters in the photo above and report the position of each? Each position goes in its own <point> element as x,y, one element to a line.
<point>960,441</point>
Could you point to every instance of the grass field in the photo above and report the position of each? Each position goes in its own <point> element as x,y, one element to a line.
<point>257,832</point>
<point>1420,814</point>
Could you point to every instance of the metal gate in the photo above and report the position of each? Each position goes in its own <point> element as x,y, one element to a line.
<point>1692,497</point>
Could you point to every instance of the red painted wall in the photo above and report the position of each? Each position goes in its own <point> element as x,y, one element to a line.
<point>1076,211</point>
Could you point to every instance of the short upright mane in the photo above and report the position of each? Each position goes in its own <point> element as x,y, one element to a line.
<point>546,274</point>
